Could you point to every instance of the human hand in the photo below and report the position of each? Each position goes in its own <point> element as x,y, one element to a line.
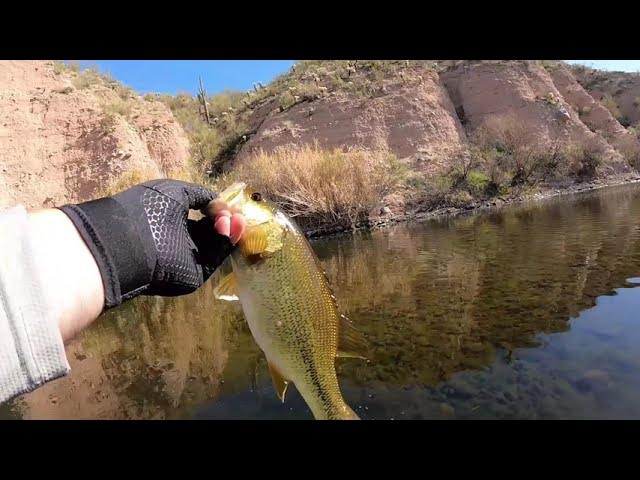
<point>144,243</point>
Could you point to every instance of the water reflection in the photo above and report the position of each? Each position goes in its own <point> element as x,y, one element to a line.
<point>462,315</point>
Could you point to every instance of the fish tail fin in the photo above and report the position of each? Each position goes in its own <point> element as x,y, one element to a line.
<point>349,414</point>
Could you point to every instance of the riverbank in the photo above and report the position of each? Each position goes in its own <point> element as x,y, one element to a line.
<point>423,212</point>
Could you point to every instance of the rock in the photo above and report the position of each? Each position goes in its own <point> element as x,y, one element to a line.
<point>447,410</point>
<point>64,91</point>
<point>594,381</point>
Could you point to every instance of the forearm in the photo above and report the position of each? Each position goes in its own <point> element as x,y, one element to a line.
<point>69,271</point>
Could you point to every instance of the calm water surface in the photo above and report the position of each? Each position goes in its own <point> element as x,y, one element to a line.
<point>525,313</point>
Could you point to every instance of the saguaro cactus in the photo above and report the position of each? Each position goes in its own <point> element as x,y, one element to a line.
<point>202,96</point>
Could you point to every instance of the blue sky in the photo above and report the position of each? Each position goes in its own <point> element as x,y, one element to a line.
<point>174,76</point>
<point>618,65</point>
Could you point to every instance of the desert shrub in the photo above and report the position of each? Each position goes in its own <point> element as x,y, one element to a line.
<point>322,185</point>
<point>630,150</point>
<point>437,189</point>
<point>515,153</point>
<point>117,107</point>
<point>286,100</point>
<point>86,78</point>
<point>144,173</point>
<point>610,104</point>
<point>462,163</point>
<point>128,179</point>
<point>458,198</point>
<point>107,124</point>
<point>209,142</point>
<point>60,66</point>
<point>585,158</point>
<point>226,101</point>
<point>477,182</point>
<point>416,181</point>
<point>205,145</point>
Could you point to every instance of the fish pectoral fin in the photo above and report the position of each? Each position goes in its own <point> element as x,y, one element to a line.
<point>351,342</point>
<point>279,382</point>
<point>227,288</point>
<point>254,242</point>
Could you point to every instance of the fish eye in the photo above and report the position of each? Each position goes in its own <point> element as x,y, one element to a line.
<point>256,197</point>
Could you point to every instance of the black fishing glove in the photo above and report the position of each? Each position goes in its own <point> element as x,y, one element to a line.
<point>143,242</point>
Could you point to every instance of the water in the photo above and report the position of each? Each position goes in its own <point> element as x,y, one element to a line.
<point>524,313</point>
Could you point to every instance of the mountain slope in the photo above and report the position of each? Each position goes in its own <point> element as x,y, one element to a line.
<point>65,135</point>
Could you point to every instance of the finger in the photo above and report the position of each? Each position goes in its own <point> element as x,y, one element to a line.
<point>223,226</point>
<point>197,196</point>
<point>237,227</point>
<point>217,205</point>
<point>222,213</point>
<point>214,207</point>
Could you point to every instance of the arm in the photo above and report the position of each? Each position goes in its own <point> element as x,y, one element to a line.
<point>68,271</point>
<point>60,268</point>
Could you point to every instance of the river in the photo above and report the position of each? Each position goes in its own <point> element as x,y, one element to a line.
<point>528,312</point>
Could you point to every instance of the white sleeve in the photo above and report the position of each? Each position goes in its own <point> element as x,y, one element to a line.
<point>31,347</point>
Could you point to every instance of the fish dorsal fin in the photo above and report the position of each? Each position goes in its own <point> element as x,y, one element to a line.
<point>279,382</point>
<point>351,342</point>
<point>227,288</point>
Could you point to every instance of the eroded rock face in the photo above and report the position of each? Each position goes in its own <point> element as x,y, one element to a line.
<point>527,93</point>
<point>592,113</point>
<point>413,117</point>
<point>623,87</point>
<point>57,144</point>
<point>426,117</point>
<point>521,90</point>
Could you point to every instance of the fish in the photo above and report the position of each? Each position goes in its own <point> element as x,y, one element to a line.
<point>288,303</point>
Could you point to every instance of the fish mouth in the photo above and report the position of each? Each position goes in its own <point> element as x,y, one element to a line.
<point>231,193</point>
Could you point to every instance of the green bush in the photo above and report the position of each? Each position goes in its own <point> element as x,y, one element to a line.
<point>477,182</point>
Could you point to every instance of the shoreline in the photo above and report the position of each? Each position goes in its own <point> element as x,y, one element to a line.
<point>417,214</point>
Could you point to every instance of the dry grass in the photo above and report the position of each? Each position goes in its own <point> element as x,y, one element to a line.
<point>117,106</point>
<point>317,186</point>
<point>128,179</point>
<point>630,150</point>
<point>584,159</point>
<point>324,186</point>
<point>610,104</point>
<point>135,176</point>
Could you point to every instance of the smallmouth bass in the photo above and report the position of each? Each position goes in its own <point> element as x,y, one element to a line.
<point>288,304</point>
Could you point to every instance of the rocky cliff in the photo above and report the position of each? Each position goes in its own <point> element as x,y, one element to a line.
<point>65,135</point>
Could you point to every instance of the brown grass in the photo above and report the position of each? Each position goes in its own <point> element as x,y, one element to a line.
<point>135,176</point>
<point>326,186</point>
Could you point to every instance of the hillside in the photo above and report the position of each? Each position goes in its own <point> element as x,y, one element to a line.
<point>618,91</point>
<point>430,110</point>
<point>334,142</point>
<point>463,131</point>
<point>66,135</point>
